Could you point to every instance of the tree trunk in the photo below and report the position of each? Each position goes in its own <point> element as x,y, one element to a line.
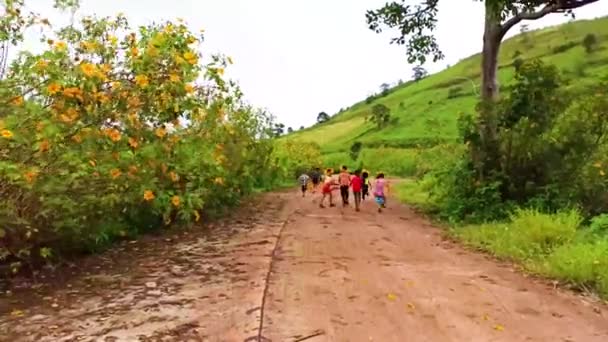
<point>487,156</point>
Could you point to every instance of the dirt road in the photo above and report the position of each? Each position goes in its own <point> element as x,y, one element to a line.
<point>286,270</point>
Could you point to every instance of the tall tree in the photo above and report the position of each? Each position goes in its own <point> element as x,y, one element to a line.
<point>381,115</point>
<point>289,130</point>
<point>322,117</point>
<point>419,72</point>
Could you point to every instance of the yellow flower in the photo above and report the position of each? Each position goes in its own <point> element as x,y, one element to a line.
<point>6,134</point>
<point>152,50</point>
<point>61,45</point>
<point>133,142</point>
<point>115,173</point>
<point>113,40</point>
<point>219,181</point>
<point>175,200</point>
<point>88,69</point>
<point>220,71</point>
<point>116,85</point>
<point>174,78</point>
<point>53,88</point>
<point>161,132</point>
<point>42,64</point>
<point>197,216</point>
<point>189,88</point>
<point>88,46</point>
<point>17,101</point>
<point>174,176</point>
<point>142,80</point>
<point>190,57</point>
<point>149,195</point>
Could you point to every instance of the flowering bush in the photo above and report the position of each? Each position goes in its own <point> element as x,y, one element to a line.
<point>111,131</point>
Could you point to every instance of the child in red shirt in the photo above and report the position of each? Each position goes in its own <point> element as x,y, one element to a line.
<point>357,184</point>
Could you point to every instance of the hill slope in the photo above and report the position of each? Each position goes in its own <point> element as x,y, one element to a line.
<point>424,113</point>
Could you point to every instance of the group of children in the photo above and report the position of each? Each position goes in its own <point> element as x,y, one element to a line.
<point>359,182</point>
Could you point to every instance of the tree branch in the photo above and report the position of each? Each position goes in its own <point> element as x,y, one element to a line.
<point>553,6</point>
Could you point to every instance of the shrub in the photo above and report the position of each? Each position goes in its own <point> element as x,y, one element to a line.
<point>564,47</point>
<point>105,137</point>
<point>590,42</point>
<point>455,92</point>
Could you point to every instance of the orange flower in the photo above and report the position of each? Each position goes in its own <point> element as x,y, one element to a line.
<point>149,195</point>
<point>114,135</point>
<point>17,101</point>
<point>53,88</point>
<point>6,134</point>
<point>142,80</point>
<point>77,138</point>
<point>115,173</point>
<point>132,170</point>
<point>174,176</point>
<point>133,142</point>
<point>134,51</point>
<point>70,116</point>
<point>175,200</point>
<point>72,92</point>
<point>30,176</point>
<point>44,146</point>
<point>161,132</point>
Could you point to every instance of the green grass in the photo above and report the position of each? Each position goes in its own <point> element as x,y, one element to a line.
<point>552,245</point>
<point>424,115</point>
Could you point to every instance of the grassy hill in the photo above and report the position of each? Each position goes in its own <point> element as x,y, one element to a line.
<point>424,113</point>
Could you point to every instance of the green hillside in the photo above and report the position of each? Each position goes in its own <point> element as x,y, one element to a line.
<point>424,113</point>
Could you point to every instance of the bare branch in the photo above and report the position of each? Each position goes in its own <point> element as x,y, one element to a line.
<point>554,6</point>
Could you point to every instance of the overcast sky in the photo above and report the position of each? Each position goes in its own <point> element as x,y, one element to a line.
<point>297,58</point>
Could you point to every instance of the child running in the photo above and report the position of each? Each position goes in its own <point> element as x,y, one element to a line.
<point>304,179</point>
<point>316,179</point>
<point>366,185</point>
<point>357,183</point>
<point>379,192</point>
<point>344,180</point>
<point>328,186</point>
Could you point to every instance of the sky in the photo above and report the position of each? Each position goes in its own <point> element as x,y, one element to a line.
<point>298,58</point>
